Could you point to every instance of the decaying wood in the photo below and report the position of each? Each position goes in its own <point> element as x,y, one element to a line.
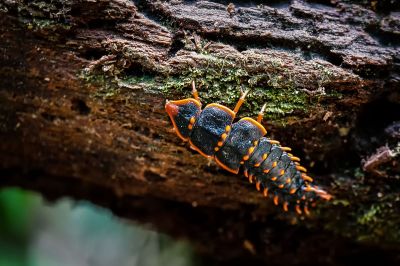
<point>71,122</point>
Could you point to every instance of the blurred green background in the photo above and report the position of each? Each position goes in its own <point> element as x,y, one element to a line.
<point>36,233</point>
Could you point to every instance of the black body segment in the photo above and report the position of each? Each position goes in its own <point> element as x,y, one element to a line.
<point>279,171</point>
<point>274,174</point>
<point>181,113</point>
<point>185,113</point>
<point>253,164</point>
<point>209,127</point>
<point>295,177</point>
<point>273,157</point>
<point>269,175</point>
<point>284,161</point>
<point>236,146</point>
<point>290,170</point>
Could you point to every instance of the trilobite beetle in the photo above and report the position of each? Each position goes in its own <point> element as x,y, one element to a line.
<point>274,171</point>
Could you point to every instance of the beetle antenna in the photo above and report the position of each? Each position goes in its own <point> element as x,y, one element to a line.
<point>261,113</point>
<point>241,100</point>
<point>195,93</point>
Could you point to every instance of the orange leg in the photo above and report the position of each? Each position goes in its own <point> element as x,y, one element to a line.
<point>195,93</point>
<point>240,102</point>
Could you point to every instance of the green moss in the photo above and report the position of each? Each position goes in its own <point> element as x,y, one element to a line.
<point>342,202</point>
<point>376,220</point>
<point>369,216</point>
<point>359,212</point>
<point>57,10</point>
<point>379,221</point>
<point>373,220</point>
<point>145,80</point>
<point>368,223</point>
<point>45,24</point>
<point>107,92</point>
<point>221,80</point>
<point>50,29</point>
<point>225,79</point>
<point>108,87</point>
<point>50,18</point>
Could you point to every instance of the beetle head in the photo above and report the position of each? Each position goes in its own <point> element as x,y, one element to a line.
<point>181,113</point>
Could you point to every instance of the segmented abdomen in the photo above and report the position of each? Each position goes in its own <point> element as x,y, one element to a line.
<point>274,171</point>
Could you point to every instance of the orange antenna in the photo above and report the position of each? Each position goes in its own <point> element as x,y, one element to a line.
<point>195,93</point>
<point>240,102</point>
<point>261,113</point>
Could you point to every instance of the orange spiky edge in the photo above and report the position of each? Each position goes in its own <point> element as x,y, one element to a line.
<point>321,193</point>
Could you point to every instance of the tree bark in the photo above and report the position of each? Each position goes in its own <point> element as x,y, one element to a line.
<point>82,92</point>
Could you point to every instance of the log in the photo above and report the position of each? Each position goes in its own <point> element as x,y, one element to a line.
<point>82,91</point>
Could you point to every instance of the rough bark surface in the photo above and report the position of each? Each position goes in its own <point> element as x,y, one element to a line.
<point>82,92</point>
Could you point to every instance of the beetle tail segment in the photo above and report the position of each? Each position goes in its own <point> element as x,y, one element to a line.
<point>318,191</point>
